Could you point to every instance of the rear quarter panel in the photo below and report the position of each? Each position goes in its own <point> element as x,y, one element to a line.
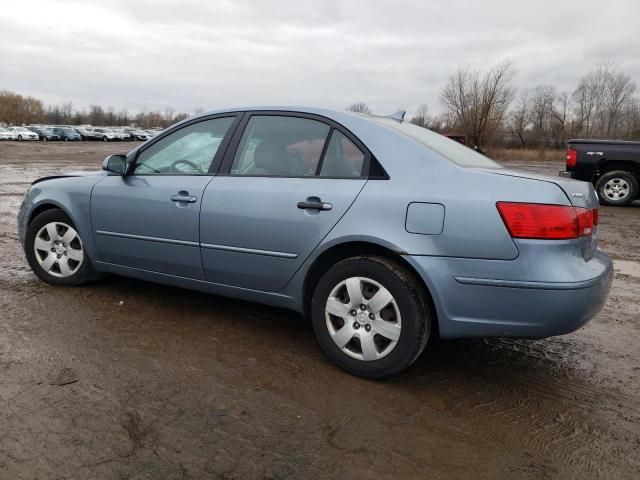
<point>472,226</point>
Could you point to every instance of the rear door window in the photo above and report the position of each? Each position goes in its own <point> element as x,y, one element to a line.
<point>280,146</point>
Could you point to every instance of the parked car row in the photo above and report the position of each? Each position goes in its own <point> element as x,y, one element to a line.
<point>67,133</point>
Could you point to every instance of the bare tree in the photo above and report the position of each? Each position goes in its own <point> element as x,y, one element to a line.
<point>96,115</point>
<point>588,97</point>
<point>542,100</point>
<point>422,117</point>
<point>630,124</point>
<point>519,119</point>
<point>478,101</point>
<point>66,110</point>
<point>618,91</point>
<point>359,107</point>
<point>561,120</point>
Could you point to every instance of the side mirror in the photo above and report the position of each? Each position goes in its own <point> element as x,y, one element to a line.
<point>115,164</point>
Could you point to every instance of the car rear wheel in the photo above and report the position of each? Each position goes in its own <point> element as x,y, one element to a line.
<point>55,251</point>
<point>371,316</point>
<point>19,138</point>
<point>617,188</point>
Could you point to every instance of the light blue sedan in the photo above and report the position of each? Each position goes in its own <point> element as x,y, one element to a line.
<point>381,232</point>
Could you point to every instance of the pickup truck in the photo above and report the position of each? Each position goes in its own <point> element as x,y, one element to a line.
<point>613,167</point>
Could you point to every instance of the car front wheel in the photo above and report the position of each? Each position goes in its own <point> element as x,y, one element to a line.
<point>371,316</point>
<point>55,251</point>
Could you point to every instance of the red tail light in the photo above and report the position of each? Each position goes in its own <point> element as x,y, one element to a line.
<point>572,157</point>
<point>547,222</point>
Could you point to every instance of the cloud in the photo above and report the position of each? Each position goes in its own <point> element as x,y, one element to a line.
<point>210,54</point>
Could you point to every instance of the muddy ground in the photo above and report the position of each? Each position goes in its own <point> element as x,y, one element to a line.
<point>168,383</point>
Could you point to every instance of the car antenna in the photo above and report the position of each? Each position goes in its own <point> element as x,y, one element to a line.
<point>398,116</point>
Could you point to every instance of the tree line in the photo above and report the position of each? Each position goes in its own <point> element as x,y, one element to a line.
<point>486,108</point>
<point>17,109</point>
<point>482,105</point>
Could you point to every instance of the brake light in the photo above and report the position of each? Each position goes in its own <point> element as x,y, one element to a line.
<point>585,221</point>
<point>572,157</point>
<point>547,222</point>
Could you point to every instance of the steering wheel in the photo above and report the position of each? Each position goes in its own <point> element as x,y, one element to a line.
<point>186,162</point>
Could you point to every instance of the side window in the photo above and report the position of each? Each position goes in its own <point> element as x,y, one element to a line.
<point>343,158</point>
<point>188,151</point>
<point>280,146</point>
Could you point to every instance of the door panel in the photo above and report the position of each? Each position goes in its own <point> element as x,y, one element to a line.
<point>150,218</point>
<point>253,234</point>
<point>137,224</point>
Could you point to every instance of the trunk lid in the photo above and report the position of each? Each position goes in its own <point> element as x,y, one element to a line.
<point>580,194</point>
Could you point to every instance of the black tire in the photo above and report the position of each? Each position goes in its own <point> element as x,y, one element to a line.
<point>413,304</point>
<point>105,139</point>
<point>19,138</point>
<point>84,273</point>
<point>622,176</point>
<point>66,139</point>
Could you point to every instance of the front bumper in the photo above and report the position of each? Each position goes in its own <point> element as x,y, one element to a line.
<point>473,299</point>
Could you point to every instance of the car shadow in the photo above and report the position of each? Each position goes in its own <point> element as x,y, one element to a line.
<point>546,365</point>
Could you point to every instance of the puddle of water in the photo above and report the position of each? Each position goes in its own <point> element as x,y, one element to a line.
<point>627,267</point>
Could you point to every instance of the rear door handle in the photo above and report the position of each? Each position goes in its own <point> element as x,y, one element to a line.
<point>315,205</point>
<point>184,197</point>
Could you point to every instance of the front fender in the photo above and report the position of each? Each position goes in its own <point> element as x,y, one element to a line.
<point>71,195</point>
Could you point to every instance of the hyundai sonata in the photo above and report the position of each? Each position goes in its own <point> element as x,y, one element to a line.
<point>381,232</point>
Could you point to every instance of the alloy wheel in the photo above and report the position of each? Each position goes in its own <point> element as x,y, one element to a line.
<point>616,189</point>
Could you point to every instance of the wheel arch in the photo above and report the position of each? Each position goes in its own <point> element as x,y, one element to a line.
<point>358,248</point>
<point>606,166</point>
<point>43,207</point>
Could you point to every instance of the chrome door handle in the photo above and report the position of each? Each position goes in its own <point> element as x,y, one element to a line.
<point>184,197</point>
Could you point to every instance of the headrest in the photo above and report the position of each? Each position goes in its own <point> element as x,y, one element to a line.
<point>271,157</point>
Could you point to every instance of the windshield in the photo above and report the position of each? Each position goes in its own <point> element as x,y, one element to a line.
<point>452,150</point>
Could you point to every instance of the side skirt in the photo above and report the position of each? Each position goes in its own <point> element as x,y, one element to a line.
<point>267,298</point>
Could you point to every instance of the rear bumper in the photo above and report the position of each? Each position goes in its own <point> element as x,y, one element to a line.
<point>479,305</point>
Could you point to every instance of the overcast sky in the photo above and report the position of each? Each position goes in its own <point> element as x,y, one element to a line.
<point>191,54</point>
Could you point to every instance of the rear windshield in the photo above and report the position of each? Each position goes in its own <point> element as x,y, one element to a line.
<point>450,149</point>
